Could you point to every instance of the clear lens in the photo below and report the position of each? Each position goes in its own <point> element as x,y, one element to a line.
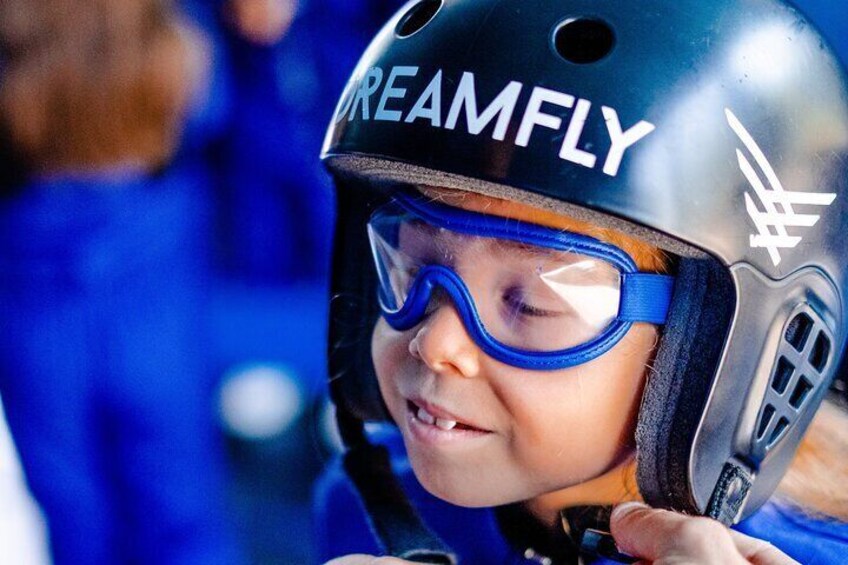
<point>528,297</point>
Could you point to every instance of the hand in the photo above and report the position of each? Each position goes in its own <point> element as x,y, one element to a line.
<point>359,559</point>
<point>662,537</point>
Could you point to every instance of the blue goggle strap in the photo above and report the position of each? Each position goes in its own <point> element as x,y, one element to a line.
<point>645,297</point>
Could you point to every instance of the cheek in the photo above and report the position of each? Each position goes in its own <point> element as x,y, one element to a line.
<point>389,347</point>
<point>582,419</point>
<point>389,353</point>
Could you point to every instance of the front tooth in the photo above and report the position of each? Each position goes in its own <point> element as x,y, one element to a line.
<point>445,424</point>
<point>426,417</point>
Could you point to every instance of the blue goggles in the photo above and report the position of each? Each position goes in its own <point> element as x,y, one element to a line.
<point>529,296</point>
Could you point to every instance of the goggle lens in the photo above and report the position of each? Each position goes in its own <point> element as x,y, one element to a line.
<point>527,297</point>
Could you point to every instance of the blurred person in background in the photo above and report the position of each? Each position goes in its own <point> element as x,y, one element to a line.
<point>255,126</point>
<point>102,278</point>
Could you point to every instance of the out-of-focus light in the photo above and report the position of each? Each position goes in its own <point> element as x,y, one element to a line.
<point>23,534</point>
<point>259,402</point>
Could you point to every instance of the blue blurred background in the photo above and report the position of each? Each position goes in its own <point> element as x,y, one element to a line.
<point>163,272</point>
<point>164,303</point>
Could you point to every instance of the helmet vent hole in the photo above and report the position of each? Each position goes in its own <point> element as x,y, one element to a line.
<point>798,331</point>
<point>782,375</point>
<point>765,420</point>
<point>417,17</point>
<point>802,389</point>
<point>803,358</point>
<point>779,428</point>
<point>584,40</point>
<point>820,352</point>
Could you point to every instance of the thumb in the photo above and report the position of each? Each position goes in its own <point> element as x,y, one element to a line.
<point>654,534</point>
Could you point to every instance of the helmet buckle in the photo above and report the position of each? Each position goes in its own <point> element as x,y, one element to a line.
<point>730,494</point>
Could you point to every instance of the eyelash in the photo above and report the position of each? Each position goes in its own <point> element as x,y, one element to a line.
<point>509,297</point>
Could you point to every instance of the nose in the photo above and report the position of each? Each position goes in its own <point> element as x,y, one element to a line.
<point>444,345</point>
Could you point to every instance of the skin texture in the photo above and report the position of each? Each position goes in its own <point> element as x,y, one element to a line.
<point>548,431</point>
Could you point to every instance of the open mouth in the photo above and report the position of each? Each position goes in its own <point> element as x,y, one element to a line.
<point>422,415</point>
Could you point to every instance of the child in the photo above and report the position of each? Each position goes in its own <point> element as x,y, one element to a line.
<point>608,262</point>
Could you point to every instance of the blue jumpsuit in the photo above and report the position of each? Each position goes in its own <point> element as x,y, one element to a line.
<point>474,534</point>
<point>101,372</point>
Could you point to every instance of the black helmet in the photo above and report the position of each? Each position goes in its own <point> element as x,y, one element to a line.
<point>715,130</point>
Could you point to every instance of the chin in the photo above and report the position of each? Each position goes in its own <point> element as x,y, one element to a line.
<point>466,488</point>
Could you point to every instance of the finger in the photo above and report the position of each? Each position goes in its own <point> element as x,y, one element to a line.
<point>759,552</point>
<point>353,560</point>
<point>654,534</point>
<point>361,559</point>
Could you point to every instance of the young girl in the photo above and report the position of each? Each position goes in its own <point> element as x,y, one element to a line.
<point>607,254</point>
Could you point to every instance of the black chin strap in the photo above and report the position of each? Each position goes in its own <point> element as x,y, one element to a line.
<point>396,525</point>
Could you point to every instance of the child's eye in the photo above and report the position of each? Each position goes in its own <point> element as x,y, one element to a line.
<point>518,303</point>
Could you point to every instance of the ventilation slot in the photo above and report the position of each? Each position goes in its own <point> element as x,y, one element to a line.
<point>798,331</point>
<point>820,352</point>
<point>782,375</point>
<point>584,40</point>
<point>802,363</point>
<point>765,420</point>
<point>417,17</point>
<point>778,431</point>
<point>802,389</point>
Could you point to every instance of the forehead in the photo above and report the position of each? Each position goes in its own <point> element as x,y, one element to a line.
<point>422,236</point>
<point>647,257</point>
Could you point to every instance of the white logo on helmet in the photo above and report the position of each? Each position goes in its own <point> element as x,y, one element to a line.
<point>771,221</point>
<point>393,105</point>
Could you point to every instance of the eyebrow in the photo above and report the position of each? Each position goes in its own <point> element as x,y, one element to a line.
<point>496,245</point>
<point>525,249</point>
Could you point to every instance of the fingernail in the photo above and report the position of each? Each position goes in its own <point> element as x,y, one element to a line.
<point>625,508</point>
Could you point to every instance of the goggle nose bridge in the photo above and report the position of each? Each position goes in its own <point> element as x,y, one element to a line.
<point>422,292</point>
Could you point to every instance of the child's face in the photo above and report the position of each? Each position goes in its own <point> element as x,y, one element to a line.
<point>522,433</point>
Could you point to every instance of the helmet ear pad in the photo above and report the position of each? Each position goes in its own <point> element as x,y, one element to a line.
<point>688,355</point>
